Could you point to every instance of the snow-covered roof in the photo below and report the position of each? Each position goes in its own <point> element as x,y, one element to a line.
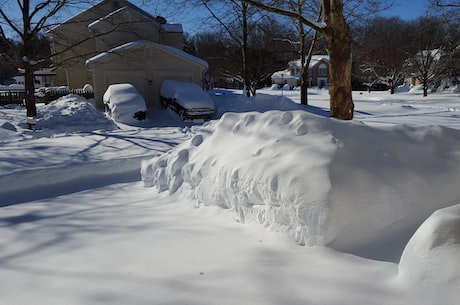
<point>39,72</point>
<point>118,51</point>
<point>284,75</point>
<point>128,10</point>
<point>115,14</point>
<point>315,59</point>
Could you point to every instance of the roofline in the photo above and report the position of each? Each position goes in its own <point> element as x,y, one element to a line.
<point>118,51</point>
<point>125,3</point>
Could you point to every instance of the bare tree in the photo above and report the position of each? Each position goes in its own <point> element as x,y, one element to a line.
<point>446,3</point>
<point>382,50</point>
<point>234,17</point>
<point>33,19</point>
<point>432,46</point>
<point>424,65</point>
<point>265,54</point>
<point>305,56</point>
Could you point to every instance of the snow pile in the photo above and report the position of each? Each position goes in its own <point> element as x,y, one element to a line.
<point>418,89</point>
<point>327,182</point>
<point>72,113</point>
<point>6,125</point>
<point>431,258</point>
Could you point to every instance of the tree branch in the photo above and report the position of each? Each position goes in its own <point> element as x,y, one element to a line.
<point>318,26</point>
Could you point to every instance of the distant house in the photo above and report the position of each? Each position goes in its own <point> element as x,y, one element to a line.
<point>117,42</point>
<point>43,78</point>
<point>318,72</point>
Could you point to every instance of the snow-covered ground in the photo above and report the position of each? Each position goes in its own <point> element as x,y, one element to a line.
<point>78,226</point>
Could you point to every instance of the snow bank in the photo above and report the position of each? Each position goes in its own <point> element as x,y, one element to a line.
<point>72,113</point>
<point>431,258</point>
<point>327,182</point>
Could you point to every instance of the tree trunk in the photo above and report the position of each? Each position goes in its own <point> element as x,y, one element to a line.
<point>304,86</point>
<point>425,90</point>
<point>244,49</point>
<point>304,69</point>
<point>338,37</point>
<point>28,55</point>
<point>29,86</point>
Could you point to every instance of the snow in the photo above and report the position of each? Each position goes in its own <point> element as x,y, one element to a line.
<point>128,47</point>
<point>309,175</point>
<point>430,259</point>
<point>124,103</point>
<point>187,94</point>
<point>172,28</point>
<point>77,225</point>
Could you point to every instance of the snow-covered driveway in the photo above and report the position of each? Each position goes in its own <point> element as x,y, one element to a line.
<point>120,244</point>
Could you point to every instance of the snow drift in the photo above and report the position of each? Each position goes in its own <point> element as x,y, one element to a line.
<point>327,182</point>
<point>72,113</point>
<point>430,259</point>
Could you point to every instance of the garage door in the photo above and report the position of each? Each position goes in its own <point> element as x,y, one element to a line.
<point>136,78</point>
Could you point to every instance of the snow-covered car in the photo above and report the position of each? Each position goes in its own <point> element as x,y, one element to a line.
<point>187,99</point>
<point>124,103</point>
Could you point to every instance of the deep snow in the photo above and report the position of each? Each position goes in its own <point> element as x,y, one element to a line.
<point>87,231</point>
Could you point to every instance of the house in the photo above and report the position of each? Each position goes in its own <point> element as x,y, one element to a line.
<point>318,71</point>
<point>43,78</point>
<point>117,42</point>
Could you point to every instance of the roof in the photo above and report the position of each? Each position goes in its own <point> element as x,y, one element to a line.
<point>41,72</point>
<point>130,10</point>
<point>97,6</point>
<point>315,59</point>
<point>130,46</point>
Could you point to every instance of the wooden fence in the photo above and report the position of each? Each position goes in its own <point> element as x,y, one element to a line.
<point>54,93</point>
<point>18,96</point>
<point>12,97</point>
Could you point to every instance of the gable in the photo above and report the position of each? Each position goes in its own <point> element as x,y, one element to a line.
<point>97,11</point>
<point>122,17</point>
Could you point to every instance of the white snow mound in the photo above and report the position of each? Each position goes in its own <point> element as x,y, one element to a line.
<point>73,113</point>
<point>327,182</point>
<point>431,258</point>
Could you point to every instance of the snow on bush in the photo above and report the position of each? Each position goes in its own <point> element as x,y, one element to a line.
<point>73,113</point>
<point>327,182</point>
<point>431,258</point>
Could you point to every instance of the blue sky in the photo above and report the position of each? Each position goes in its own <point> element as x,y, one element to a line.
<point>408,9</point>
<point>403,8</point>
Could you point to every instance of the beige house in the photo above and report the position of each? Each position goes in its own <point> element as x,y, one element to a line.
<point>117,42</point>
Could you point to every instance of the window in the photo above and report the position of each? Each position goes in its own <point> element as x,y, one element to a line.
<point>322,70</point>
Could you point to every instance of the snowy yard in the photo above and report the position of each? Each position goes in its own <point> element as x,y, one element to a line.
<point>238,196</point>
